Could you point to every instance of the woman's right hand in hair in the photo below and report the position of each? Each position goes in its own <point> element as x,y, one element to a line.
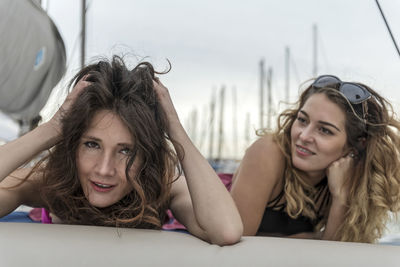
<point>55,121</point>
<point>23,149</point>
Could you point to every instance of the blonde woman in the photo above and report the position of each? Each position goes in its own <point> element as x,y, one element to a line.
<point>331,170</point>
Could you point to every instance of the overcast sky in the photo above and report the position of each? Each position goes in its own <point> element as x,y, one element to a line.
<point>216,43</point>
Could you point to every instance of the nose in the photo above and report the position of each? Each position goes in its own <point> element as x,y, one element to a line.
<point>106,165</point>
<point>306,135</point>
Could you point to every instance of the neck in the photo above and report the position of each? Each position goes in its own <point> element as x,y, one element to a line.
<point>315,177</point>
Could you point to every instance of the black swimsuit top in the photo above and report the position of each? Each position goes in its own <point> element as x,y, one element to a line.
<point>276,221</point>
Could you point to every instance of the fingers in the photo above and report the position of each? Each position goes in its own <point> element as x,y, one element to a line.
<point>343,162</point>
<point>347,159</point>
<point>160,89</point>
<point>157,83</point>
<point>82,83</point>
<point>76,91</point>
<point>79,86</point>
<point>165,99</point>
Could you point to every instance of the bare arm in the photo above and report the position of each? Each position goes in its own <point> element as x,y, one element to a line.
<point>22,150</point>
<point>337,212</point>
<point>13,193</point>
<point>204,205</point>
<point>260,171</point>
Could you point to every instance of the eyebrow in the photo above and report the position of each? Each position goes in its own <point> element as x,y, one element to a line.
<point>321,122</point>
<point>99,140</point>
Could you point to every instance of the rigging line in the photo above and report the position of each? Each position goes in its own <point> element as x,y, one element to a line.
<point>387,26</point>
<point>73,50</point>
<point>78,37</point>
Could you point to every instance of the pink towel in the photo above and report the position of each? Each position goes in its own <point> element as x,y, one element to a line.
<point>46,216</point>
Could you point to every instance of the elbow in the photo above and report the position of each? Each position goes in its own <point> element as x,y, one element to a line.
<point>228,236</point>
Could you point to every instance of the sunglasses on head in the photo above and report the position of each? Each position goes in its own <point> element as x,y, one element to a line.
<point>355,93</point>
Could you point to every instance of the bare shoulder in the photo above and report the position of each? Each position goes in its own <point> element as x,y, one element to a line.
<point>257,180</point>
<point>265,146</point>
<point>264,157</point>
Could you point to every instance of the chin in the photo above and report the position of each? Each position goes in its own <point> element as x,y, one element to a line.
<point>302,166</point>
<point>296,162</point>
<point>100,203</point>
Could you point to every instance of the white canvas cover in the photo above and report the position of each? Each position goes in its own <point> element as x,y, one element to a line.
<point>32,244</point>
<point>32,58</point>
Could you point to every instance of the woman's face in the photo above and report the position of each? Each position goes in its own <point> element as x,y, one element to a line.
<point>101,159</point>
<point>318,135</point>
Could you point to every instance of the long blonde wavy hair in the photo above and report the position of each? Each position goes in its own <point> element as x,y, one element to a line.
<point>375,185</point>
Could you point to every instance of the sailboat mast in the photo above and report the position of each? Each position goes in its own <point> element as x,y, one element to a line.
<point>247,130</point>
<point>315,52</point>
<point>262,79</point>
<point>269,98</point>
<point>212,115</point>
<point>234,123</point>
<point>221,123</point>
<point>83,35</point>
<point>287,73</point>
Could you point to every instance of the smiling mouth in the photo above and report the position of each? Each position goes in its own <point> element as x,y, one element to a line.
<point>304,151</point>
<point>101,187</point>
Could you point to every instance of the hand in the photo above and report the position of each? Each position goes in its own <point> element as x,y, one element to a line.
<point>165,100</point>
<point>339,174</point>
<point>56,119</point>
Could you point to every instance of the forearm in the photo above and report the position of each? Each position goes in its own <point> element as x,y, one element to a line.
<point>23,149</point>
<point>336,216</point>
<point>213,206</point>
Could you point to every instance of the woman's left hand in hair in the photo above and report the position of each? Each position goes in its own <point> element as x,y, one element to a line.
<point>165,101</point>
<point>339,174</point>
<point>199,200</point>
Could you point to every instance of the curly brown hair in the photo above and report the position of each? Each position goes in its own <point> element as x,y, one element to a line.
<point>130,95</point>
<point>375,185</point>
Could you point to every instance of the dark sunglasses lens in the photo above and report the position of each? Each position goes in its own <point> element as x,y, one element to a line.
<point>326,81</point>
<point>355,93</point>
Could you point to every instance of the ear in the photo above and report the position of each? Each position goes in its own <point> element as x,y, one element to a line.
<point>362,142</point>
<point>353,153</point>
<point>350,151</point>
